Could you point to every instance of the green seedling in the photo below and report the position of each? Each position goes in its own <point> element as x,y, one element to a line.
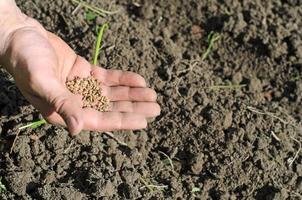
<point>295,78</point>
<point>215,87</point>
<point>168,160</point>
<point>33,125</point>
<point>151,187</point>
<point>212,38</point>
<point>98,43</point>
<point>89,15</point>
<point>2,186</point>
<point>98,11</point>
<point>195,190</point>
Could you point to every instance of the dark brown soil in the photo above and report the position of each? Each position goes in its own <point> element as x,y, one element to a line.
<point>224,143</point>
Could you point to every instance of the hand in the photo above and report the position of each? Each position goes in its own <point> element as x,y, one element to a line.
<point>41,62</point>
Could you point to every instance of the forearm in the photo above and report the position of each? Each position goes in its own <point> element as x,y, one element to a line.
<point>11,19</point>
<point>13,24</point>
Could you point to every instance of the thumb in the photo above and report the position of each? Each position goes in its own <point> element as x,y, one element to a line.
<point>69,107</point>
<point>57,104</point>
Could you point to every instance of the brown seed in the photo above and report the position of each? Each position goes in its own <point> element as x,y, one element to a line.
<point>91,92</point>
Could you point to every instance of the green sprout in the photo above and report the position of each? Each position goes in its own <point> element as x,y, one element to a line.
<point>2,186</point>
<point>34,125</point>
<point>89,15</point>
<point>212,38</point>
<point>295,78</point>
<point>168,160</point>
<point>98,43</point>
<point>195,190</point>
<point>236,86</point>
<point>151,187</point>
<point>99,11</point>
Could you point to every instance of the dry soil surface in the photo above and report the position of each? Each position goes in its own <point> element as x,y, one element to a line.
<point>224,143</point>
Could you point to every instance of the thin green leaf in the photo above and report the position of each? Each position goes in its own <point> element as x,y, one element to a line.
<point>212,38</point>
<point>98,43</point>
<point>90,15</point>
<point>195,189</point>
<point>168,160</point>
<point>95,9</point>
<point>33,125</point>
<point>2,186</point>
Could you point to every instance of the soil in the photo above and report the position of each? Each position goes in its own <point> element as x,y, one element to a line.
<point>227,143</point>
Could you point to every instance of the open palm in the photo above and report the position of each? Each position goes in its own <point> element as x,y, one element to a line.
<point>41,63</point>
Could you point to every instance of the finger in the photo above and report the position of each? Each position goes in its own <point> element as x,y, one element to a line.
<point>47,111</point>
<point>60,111</point>
<point>63,102</point>
<point>98,121</point>
<point>118,77</point>
<point>123,93</point>
<point>110,121</point>
<point>54,118</point>
<point>146,109</point>
<point>70,109</point>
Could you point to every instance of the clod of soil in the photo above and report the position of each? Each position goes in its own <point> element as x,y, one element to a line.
<point>91,92</point>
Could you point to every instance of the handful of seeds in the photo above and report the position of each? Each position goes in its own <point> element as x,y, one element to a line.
<point>90,90</point>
